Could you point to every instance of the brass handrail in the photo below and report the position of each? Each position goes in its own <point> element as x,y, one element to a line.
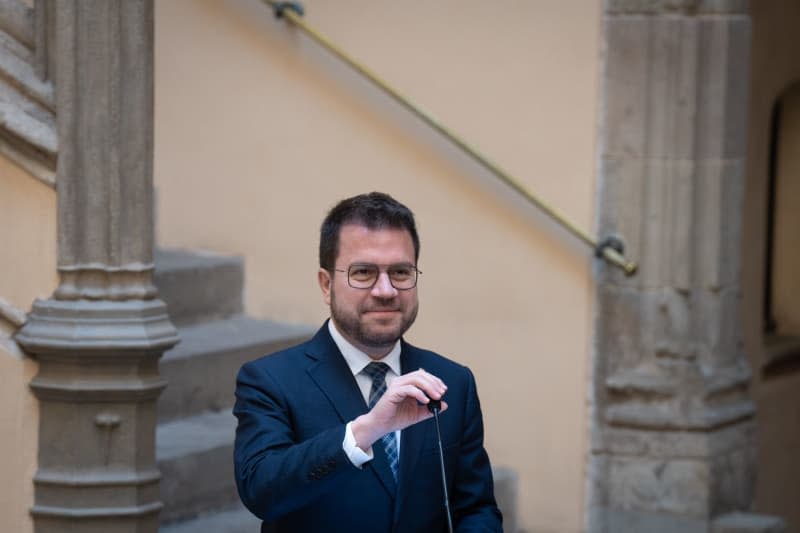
<point>609,249</point>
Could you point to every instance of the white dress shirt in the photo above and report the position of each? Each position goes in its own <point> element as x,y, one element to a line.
<point>357,360</point>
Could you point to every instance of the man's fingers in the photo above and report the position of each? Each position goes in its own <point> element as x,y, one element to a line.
<point>436,385</point>
<point>403,405</point>
<point>432,386</point>
<point>410,390</point>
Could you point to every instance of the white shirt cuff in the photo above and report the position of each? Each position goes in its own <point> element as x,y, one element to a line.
<point>356,455</point>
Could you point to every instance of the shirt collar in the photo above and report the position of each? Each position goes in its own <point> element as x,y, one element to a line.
<point>358,360</point>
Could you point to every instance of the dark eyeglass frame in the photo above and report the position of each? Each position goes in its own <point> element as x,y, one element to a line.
<point>381,268</point>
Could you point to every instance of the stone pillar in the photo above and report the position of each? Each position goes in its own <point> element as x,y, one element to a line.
<point>672,422</point>
<point>98,339</point>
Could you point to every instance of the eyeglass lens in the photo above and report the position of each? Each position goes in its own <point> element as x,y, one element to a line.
<point>364,276</point>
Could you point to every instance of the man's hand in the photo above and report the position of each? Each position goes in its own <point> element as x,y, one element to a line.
<point>404,403</point>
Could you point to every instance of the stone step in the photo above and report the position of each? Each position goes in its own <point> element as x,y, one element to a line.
<point>199,285</point>
<point>195,456</point>
<point>201,369</point>
<point>237,520</point>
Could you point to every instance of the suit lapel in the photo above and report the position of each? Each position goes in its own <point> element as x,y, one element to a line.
<point>329,371</point>
<point>332,375</point>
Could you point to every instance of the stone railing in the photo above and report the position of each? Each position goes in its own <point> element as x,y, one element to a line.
<point>10,315</point>
<point>11,319</point>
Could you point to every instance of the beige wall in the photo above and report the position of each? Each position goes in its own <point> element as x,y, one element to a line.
<point>775,25</point>
<point>27,237</point>
<point>28,266</point>
<point>19,424</point>
<point>259,132</point>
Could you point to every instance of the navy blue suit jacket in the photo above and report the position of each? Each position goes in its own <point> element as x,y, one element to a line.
<point>291,470</point>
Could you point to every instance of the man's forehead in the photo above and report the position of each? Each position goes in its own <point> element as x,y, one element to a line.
<point>358,236</point>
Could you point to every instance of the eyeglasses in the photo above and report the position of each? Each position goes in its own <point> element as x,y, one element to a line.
<point>364,275</point>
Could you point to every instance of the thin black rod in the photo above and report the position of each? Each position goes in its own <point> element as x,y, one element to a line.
<point>444,476</point>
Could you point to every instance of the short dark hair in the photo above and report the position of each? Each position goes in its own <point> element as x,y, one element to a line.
<point>375,210</point>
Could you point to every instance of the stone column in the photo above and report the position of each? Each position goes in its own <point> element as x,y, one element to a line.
<point>99,337</point>
<point>673,432</point>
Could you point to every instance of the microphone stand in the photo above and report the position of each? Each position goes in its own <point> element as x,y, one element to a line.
<point>434,406</point>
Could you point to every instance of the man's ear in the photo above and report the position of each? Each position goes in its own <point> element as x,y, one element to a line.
<point>324,279</point>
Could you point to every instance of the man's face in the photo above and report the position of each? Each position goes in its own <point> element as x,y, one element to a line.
<point>371,319</point>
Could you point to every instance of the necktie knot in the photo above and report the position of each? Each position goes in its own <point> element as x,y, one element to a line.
<point>376,371</point>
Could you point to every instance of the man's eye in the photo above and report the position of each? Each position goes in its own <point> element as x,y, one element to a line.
<point>401,272</point>
<point>362,273</point>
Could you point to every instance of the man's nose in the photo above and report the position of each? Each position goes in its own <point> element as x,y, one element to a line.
<point>383,287</point>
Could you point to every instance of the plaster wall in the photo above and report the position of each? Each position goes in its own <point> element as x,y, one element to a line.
<point>259,131</point>
<point>27,237</point>
<point>19,423</point>
<point>28,267</point>
<point>774,69</point>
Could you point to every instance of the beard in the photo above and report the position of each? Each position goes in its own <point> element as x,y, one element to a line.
<point>354,326</point>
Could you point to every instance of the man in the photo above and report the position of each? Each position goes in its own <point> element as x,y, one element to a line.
<point>335,434</point>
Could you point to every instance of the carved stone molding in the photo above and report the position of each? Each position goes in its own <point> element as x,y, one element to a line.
<point>98,387</point>
<point>99,338</point>
<point>27,104</point>
<point>673,432</point>
<point>99,282</point>
<point>642,398</point>
<point>97,329</point>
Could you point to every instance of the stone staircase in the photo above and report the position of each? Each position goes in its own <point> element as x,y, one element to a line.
<point>194,439</point>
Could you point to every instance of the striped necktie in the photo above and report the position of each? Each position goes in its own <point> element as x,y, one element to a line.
<point>377,372</point>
